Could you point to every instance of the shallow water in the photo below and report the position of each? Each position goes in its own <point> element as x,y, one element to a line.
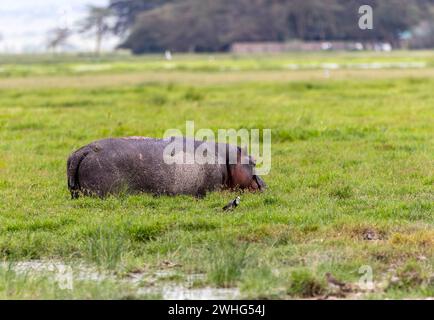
<point>147,283</point>
<point>362,66</point>
<point>79,272</point>
<point>180,292</point>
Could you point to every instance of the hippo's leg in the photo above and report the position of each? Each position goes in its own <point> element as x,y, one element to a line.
<point>201,193</point>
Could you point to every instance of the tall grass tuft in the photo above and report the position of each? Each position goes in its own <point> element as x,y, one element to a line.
<point>227,261</point>
<point>105,247</point>
<point>304,283</point>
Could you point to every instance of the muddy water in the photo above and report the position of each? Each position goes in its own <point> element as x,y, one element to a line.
<point>180,292</point>
<point>55,268</point>
<point>146,283</point>
<point>359,66</point>
<point>185,290</point>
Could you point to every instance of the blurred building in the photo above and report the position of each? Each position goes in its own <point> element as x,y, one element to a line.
<point>276,47</point>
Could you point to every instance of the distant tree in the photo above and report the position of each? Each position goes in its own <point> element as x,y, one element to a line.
<point>315,19</point>
<point>204,25</point>
<point>57,37</point>
<point>211,25</point>
<point>395,17</point>
<point>126,11</point>
<point>98,23</point>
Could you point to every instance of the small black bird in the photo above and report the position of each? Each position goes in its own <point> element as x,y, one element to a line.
<point>233,204</point>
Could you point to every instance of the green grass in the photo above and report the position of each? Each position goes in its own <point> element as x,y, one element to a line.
<point>26,66</point>
<point>227,262</point>
<point>304,284</point>
<point>349,157</point>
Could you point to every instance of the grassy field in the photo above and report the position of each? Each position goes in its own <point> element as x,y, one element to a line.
<point>351,186</point>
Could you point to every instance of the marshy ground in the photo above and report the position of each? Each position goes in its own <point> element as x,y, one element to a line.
<point>351,185</point>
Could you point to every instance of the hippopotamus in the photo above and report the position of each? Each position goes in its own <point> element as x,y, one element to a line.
<point>139,165</point>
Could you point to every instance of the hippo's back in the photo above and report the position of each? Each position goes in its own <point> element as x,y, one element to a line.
<point>137,164</point>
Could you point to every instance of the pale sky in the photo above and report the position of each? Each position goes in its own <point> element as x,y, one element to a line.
<point>24,24</point>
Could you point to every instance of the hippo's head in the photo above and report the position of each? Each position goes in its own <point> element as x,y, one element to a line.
<point>242,174</point>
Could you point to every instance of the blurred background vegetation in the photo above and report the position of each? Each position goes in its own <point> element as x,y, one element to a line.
<point>209,25</point>
<point>150,26</point>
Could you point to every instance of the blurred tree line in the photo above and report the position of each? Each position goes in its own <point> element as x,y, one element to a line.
<point>213,25</point>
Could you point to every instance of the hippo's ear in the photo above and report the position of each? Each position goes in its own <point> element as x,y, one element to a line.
<point>242,155</point>
<point>243,151</point>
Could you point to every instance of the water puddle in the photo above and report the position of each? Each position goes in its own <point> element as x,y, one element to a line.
<point>361,66</point>
<point>184,290</point>
<point>35,267</point>
<point>180,292</point>
<point>159,283</point>
<point>90,67</point>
